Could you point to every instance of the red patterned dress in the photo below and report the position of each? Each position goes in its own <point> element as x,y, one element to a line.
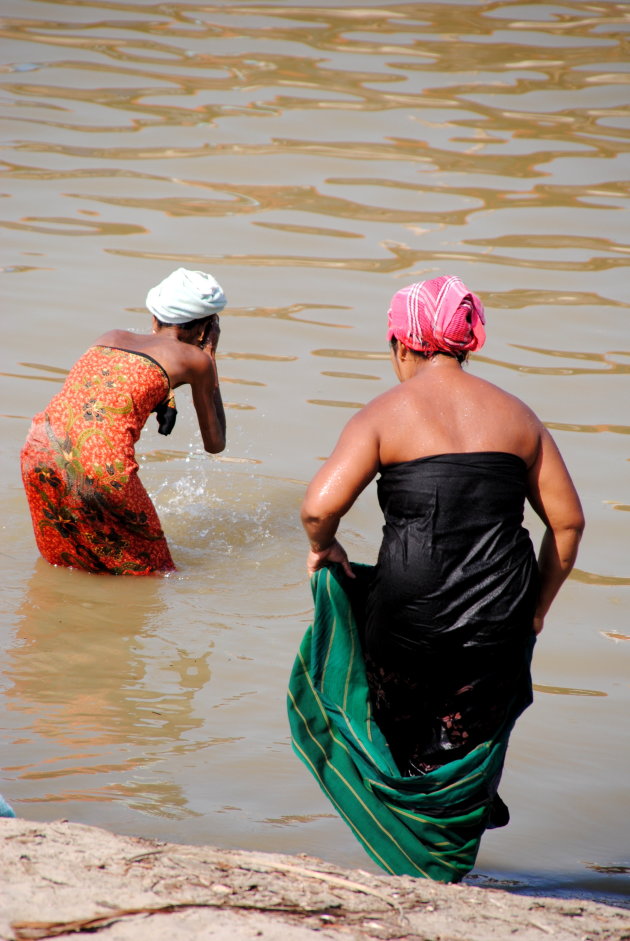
<point>89,508</point>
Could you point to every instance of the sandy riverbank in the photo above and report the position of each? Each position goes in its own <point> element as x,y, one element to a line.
<point>65,880</point>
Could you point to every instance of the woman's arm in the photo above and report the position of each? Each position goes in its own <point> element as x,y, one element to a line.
<point>332,491</point>
<point>208,404</point>
<point>554,498</point>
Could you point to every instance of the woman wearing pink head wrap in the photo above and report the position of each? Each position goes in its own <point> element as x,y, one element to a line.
<point>438,316</point>
<point>447,618</point>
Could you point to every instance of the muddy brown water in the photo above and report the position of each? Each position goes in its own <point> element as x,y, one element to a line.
<point>314,158</point>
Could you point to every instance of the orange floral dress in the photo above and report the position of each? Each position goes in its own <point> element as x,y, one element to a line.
<point>89,507</point>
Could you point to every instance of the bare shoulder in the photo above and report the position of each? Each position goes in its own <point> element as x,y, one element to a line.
<point>395,397</point>
<point>188,364</point>
<point>196,359</point>
<point>378,409</point>
<point>436,412</point>
<point>116,337</point>
<point>368,425</point>
<point>381,411</point>
<point>508,422</point>
<point>182,362</point>
<point>490,389</point>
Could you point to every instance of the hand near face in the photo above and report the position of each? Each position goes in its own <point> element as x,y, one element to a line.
<point>211,335</point>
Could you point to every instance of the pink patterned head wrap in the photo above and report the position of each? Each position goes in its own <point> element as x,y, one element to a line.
<point>437,316</point>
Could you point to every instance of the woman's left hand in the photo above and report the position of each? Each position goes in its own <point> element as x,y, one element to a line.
<point>334,553</point>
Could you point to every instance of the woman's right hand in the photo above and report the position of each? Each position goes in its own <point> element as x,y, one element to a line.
<point>211,338</point>
<point>214,332</point>
<point>335,552</point>
<point>206,390</point>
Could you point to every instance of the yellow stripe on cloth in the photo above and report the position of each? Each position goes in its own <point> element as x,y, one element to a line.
<point>428,826</point>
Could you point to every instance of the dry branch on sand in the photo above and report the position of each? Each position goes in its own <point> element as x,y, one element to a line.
<point>64,880</point>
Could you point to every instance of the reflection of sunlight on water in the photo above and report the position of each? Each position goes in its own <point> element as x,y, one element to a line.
<point>212,514</point>
<point>316,186</point>
<point>203,504</point>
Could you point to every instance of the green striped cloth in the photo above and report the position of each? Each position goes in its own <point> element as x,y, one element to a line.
<point>428,826</point>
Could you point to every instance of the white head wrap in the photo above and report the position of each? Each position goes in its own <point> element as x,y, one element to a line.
<point>184,296</point>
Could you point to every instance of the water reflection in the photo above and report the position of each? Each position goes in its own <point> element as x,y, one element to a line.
<point>291,313</point>
<point>315,158</point>
<point>618,368</point>
<point>589,430</point>
<point>351,354</point>
<point>84,682</point>
<point>592,578</point>
<point>246,199</point>
<point>564,691</point>
<point>60,226</point>
<point>349,375</point>
<point>335,404</point>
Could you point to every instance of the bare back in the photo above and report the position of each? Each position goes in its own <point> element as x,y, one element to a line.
<point>443,409</point>
<point>438,408</point>
<point>178,360</point>
<point>183,363</point>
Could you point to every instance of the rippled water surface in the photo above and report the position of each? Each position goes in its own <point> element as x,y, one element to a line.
<point>314,158</point>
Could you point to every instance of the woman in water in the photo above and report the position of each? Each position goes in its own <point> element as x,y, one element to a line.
<point>88,505</point>
<point>447,617</point>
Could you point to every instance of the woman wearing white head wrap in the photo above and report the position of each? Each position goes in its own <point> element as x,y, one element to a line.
<point>88,506</point>
<point>185,296</point>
